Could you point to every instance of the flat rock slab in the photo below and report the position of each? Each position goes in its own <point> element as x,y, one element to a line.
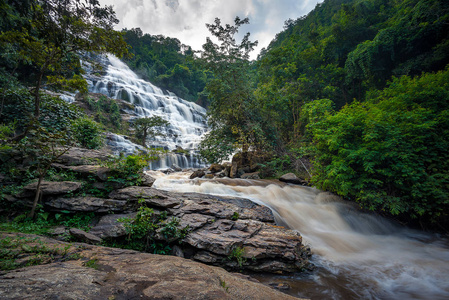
<point>125,274</point>
<point>151,196</point>
<point>79,156</point>
<point>83,236</point>
<point>54,187</point>
<point>86,204</point>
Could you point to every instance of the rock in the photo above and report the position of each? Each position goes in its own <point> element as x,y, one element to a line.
<point>147,180</point>
<point>54,187</point>
<point>291,178</point>
<point>254,175</point>
<point>209,176</point>
<point>152,196</point>
<point>80,156</point>
<point>126,274</point>
<point>84,236</point>
<point>100,172</point>
<point>176,168</point>
<point>233,170</point>
<point>177,251</point>
<point>110,227</point>
<point>197,174</point>
<point>60,230</point>
<point>215,168</point>
<point>86,204</point>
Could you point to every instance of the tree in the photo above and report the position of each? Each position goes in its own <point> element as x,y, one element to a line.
<point>233,111</point>
<point>58,31</point>
<point>390,153</point>
<point>148,128</point>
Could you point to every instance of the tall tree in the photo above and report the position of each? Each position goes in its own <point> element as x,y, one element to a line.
<point>232,114</point>
<point>58,31</point>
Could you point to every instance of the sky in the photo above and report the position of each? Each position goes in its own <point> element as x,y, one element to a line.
<point>186,19</point>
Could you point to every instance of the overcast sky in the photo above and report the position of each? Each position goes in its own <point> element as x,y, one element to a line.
<point>186,19</point>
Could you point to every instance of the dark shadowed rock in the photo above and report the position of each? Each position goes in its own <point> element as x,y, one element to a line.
<point>215,168</point>
<point>85,237</point>
<point>197,174</point>
<point>176,168</point>
<point>126,274</point>
<point>110,227</point>
<point>254,175</point>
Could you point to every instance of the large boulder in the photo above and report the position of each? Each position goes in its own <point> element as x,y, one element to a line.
<point>197,174</point>
<point>292,178</point>
<point>125,274</point>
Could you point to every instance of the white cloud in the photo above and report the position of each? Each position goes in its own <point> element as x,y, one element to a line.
<point>186,19</point>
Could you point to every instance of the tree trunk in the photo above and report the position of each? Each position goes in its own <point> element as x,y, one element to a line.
<point>37,196</point>
<point>37,100</point>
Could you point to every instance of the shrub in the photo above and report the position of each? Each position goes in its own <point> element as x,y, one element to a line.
<point>87,132</point>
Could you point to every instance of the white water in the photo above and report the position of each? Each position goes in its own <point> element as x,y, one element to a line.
<point>187,119</point>
<point>359,256</point>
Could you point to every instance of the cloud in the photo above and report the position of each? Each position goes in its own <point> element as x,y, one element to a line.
<point>186,19</point>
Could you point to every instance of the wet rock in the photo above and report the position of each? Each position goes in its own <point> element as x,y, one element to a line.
<point>292,178</point>
<point>86,204</point>
<point>197,174</point>
<point>215,168</point>
<point>176,168</point>
<point>209,176</point>
<point>147,180</point>
<point>83,236</point>
<point>54,188</point>
<point>254,175</point>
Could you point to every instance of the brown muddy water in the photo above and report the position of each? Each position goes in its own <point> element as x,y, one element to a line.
<point>358,255</point>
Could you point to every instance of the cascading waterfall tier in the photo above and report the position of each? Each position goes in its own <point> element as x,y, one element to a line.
<point>187,119</point>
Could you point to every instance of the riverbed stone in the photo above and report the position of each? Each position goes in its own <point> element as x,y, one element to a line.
<point>197,174</point>
<point>292,178</point>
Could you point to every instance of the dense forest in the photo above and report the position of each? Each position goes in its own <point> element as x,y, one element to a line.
<point>355,93</point>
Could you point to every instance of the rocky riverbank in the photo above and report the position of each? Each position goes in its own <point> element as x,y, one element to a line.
<point>233,233</point>
<point>82,271</point>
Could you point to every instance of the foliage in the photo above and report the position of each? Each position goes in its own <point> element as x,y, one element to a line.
<point>106,111</point>
<point>237,254</point>
<point>22,251</point>
<point>389,153</point>
<point>87,133</point>
<point>143,228</point>
<point>127,170</point>
<point>149,128</point>
<point>54,34</point>
<point>233,113</point>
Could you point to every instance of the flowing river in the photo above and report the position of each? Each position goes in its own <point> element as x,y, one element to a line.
<point>357,255</point>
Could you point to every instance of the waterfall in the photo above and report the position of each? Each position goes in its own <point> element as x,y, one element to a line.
<point>358,255</point>
<point>187,119</point>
